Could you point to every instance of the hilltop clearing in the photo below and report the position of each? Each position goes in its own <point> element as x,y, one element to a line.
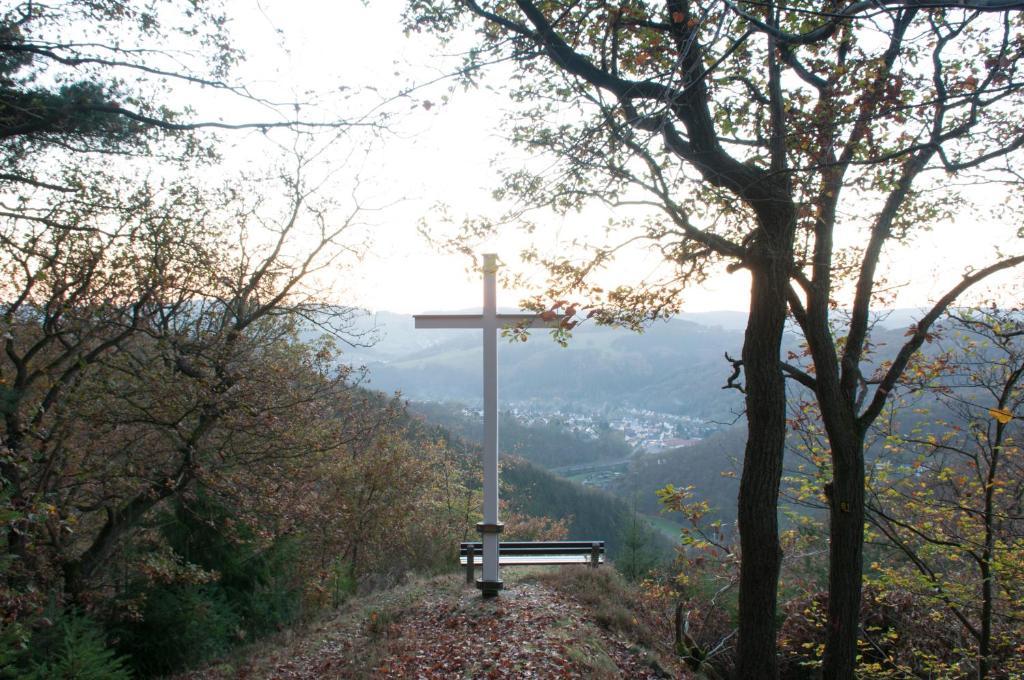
<point>570,623</point>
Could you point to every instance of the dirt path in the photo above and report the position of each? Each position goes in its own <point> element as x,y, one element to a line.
<point>529,632</point>
<point>442,629</point>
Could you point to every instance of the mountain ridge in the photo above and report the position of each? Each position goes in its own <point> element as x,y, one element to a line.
<point>674,366</point>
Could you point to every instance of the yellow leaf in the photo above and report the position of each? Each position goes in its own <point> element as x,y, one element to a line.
<point>1003,415</point>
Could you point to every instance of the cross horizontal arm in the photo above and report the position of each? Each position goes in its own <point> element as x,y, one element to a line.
<point>449,321</point>
<point>477,320</point>
<point>527,321</point>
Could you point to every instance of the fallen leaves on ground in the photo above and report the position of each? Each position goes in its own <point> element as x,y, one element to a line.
<point>448,631</point>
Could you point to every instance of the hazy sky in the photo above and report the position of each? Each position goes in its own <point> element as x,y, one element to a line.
<point>444,154</point>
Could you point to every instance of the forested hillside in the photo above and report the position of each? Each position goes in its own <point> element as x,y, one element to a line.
<point>711,467</point>
<point>590,514</point>
<point>551,444</point>
<point>310,488</point>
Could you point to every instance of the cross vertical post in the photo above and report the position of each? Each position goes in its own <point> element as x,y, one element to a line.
<point>490,582</point>
<point>490,322</point>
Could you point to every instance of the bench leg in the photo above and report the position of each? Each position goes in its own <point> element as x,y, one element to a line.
<point>594,556</point>
<point>469,566</point>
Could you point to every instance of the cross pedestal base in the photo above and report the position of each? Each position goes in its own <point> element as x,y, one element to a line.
<point>489,531</point>
<point>490,588</point>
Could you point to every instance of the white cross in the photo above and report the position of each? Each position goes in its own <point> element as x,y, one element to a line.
<point>490,321</point>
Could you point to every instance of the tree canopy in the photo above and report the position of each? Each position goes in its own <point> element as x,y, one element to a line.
<point>796,141</point>
<point>151,317</point>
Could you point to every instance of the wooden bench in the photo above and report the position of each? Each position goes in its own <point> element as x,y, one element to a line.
<point>534,552</point>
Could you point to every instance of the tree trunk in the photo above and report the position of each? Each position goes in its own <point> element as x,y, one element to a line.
<point>987,596</point>
<point>17,544</point>
<point>119,522</point>
<point>11,486</point>
<point>846,541</point>
<point>845,493</point>
<point>987,585</point>
<point>762,469</point>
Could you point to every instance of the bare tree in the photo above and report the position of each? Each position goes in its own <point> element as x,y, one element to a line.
<point>175,328</point>
<point>108,78</point>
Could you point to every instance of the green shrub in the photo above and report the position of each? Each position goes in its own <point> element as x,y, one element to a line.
<point>180,625</point>
<point>265,589</point>
<point>13,646</point>
<point>73,648</point>
<point>259,582</point>
<point>342,583</point>
<point>254,590</point>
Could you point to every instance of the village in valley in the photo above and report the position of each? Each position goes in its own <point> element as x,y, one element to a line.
<point>643,430</point>
<point>646,433</point>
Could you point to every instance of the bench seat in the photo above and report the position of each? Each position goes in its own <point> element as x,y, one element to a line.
<point>505,560</point>
<point>536,552</point>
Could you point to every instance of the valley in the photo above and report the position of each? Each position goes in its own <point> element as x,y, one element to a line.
<point>616,412</point>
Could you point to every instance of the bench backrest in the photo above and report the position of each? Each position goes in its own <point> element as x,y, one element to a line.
<point>525,548</point>
<point>534,552</point>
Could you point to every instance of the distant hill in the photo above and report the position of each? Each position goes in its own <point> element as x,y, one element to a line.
<point>531,490</point>
<point>675,366</point>
<point>711,467</point>
<point>594,514</point>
